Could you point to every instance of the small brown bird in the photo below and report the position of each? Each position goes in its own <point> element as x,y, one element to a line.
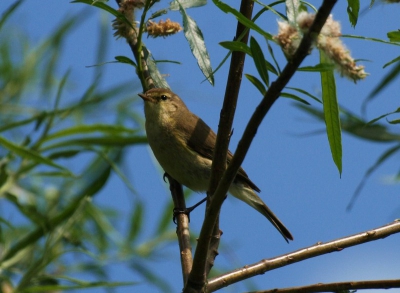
<point>184,144</point>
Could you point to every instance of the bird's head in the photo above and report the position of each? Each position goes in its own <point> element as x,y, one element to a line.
<point>162,104</point>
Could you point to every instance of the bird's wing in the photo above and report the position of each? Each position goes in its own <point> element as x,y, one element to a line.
<point>203,141</point>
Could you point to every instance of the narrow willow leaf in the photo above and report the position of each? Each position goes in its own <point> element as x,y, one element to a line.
<point>259,60</point>
<point>136,222</point>
<point>385,81</point>
<point>305,93</point>
<point>292,10</point>
<point>84,129</point>
<point>29,154</point>
<point>269,8</point>
<point>195,39</point>
<point>294,97</point>
<point>236,46</point>
<point>242,19</point>
<point>158,13</point>
<point>165,219</point>
<point>126,60</point>
<point>117,170</point>
<point>331,112</point>
<point>382,116</point>
<point>317,68</point>
<point>257,83</point>
<point>271,51</point>
<point>391,62</point>
<point>396,121</point>
<point>353,8</point>
<point>168,61</point>
<point>9,11</point>
<point>372,3</point>
<point>394,36</point>
<point>107,8</point>
<point>103,6</point>
<point>370,39</point>
<point>383,158</point>
<point>174,5</point>
<point>86,285</point>
<point>158,79</point>
<point>112,140</point>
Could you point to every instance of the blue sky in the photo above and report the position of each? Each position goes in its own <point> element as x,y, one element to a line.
<point>295,172</point>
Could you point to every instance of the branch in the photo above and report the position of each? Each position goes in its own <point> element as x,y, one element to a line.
<point>302,254</point>
<point>182,229</point>
<point>336,287</point>
<point>269,99</point>
<point>209,238</point>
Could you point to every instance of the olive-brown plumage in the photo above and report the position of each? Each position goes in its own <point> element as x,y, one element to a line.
<point>183,144</point>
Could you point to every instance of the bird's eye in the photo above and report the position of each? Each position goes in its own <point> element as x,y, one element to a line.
<point>164,97</point>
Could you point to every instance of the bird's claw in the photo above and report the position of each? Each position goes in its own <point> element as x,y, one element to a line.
<point>178,211</point>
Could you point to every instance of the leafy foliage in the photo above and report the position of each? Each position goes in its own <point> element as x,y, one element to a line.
<point>56,155</point>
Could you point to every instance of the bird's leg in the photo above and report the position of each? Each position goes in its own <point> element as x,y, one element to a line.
<point>186,211</point>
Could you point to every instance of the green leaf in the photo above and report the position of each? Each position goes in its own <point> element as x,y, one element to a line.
<point>105,7</point>
<point>276,71</point>
<point>269,8</point>
<point>195,39</point>
<point>29,154</point>
<point>370,39</point>
<point>384,157</point>
<point>259,60</point>
<point>292,10</point>
<point>353,8</point>
<point>294,97</point>
<point>136,222</point>
<point>391,62</point>
<point>317,68</point>
<point>158,79</point>
<point>331,112</point>
<point>382,116</point>
<point>86,285</point>
<point>158,13</point>
<point>112,140</point>
<point>9,11</point>
<point>165,219</point>
<point>126,60</point>
<point>236,46</point>
<point>305,93</point>
<point>394,36</point>
<point>257,83</point>
<point>84,129</point>
<point>242,19</point>
<point>385,81</point>
<point>396,121</point>
<point>174,5</point>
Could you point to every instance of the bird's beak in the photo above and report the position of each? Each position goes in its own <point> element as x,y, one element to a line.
<point>145,97</point>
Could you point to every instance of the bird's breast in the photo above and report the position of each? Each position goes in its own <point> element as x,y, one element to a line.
<point>176,158</point>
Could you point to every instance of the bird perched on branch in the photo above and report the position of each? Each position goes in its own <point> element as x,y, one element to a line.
<point>184,144</point>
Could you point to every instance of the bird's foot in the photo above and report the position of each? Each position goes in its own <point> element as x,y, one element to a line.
<point>186,211</point>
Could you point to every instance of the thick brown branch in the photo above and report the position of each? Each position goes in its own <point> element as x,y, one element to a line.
<point>207,248</point>
<point>302,254</point>
<point>339,286</point>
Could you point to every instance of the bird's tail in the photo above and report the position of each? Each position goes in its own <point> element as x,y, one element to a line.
<point>248,195</point>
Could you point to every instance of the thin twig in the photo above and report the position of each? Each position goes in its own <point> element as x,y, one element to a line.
<point>299,255</point>
<point>339,286</point>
